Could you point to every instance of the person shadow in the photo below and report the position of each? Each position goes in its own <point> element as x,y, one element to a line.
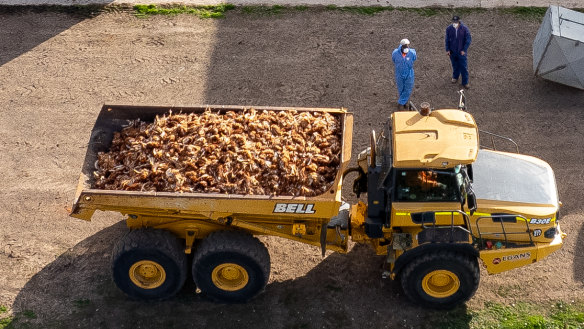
<point>342,291</point>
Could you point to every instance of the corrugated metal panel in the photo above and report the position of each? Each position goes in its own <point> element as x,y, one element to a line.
<point>558,48</point>
<point>568,23</point>
<point>541,39</point>
<point>553,59</point>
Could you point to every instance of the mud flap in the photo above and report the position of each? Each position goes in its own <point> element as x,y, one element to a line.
<point>323,231</point>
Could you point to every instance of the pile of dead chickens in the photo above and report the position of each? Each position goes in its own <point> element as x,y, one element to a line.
<point>287,153</point>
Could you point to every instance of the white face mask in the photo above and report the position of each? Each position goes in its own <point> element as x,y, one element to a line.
<point>455,25</point>
<point>406,50</point>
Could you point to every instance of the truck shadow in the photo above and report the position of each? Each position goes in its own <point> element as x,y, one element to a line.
<point>579,256</point>
<point>343,291</point>
<point>23,28</point>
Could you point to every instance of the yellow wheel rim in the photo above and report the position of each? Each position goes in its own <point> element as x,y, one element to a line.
<point>147,274</point>
<point>230,277</point>
<point>440,283</point>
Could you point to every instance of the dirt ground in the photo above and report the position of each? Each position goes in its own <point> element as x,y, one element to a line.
<point>57,70</point>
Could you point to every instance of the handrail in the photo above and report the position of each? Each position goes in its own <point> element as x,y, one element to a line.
<point>492,137</point>
<point>479,235</point>
<point>452,212</point>
<point>501,216</point>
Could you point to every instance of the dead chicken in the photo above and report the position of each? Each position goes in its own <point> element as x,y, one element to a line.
<point>249,152</point>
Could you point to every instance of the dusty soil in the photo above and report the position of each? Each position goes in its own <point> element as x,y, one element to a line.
<point>57,70</point>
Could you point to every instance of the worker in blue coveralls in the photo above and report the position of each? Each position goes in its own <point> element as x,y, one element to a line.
<point>403,59</point>
<point>457,41</point>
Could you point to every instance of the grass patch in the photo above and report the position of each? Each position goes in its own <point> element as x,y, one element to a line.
<point>465,11</point>
<point>517,316</point>
<point>369,11</point>
<point>569,314</point>
<point>80,303</point>
<point>264,10</point>
<point>300,8</point>
<point>28,314</point>
<point>217,11</point>
<point>526,12</point>
<point>459,317</point>
<point>433,11</point>
<point>6,323</point>
<point>426,12</point>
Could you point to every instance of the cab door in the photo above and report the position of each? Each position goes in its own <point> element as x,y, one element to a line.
<point>417,191</point>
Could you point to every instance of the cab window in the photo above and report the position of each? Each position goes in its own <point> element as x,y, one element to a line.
<point>426,186</point>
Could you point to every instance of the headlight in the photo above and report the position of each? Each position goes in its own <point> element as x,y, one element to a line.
<point>550,233</point>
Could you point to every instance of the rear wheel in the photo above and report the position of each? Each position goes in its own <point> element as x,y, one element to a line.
<point>149,264</point>
<point>231,266</point>
<point>441,279</point>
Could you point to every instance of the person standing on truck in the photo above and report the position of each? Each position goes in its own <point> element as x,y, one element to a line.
<point>457,41</point>
<point>403,58</point>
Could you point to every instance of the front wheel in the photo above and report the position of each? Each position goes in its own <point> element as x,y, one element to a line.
<point>149,264</point>
<point>441,279</point>
<point>231,266</point>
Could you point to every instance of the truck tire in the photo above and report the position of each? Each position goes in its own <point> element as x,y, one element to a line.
<point>231,267</point>
<point>441,279</point>
<point>149,264</point>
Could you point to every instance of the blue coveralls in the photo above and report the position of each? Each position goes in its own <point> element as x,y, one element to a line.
<point>458,40</point>
<point>404,73</point>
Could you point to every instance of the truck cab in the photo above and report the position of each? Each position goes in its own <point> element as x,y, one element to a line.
<point>437,202</point>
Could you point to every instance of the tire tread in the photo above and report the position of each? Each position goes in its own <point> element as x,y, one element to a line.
<point>234,241</point>
<point>466,260</point>
<point>148,239</point>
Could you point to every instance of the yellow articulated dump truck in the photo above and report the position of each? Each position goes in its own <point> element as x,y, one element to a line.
<point>437,203</point>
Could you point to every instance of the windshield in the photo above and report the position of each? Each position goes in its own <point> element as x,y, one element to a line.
<point>506,177</point>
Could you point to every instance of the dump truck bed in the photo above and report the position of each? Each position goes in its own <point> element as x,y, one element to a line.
<point>206,206</point>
